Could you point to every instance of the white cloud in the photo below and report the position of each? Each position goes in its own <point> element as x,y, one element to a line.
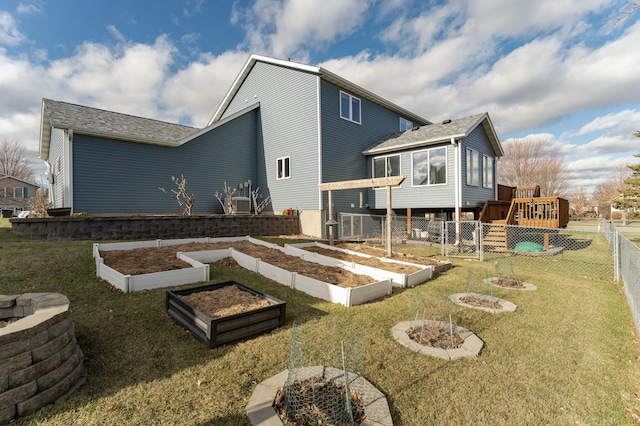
<point>28,9</point>
<point>610,121</point>
<point>9,33</point>
<point>289,28</point>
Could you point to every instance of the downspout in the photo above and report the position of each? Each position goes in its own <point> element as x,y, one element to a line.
<point>52,194</point>
<point>319,123</point>
<point>68,171</point>
<point>458,180</point>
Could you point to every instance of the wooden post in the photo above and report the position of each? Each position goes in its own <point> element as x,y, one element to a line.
<point>409,231</point>
<point>330,218</point>
<point>389,252</point>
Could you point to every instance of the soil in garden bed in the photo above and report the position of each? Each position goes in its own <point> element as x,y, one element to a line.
<point>367,261</point>
<point>379,252</point>
<point>435,336</point>
<point>224,301</point>
<point>507,282</point>
<point>157,259</point>
<point>318,402</point>
<point>485,302</point>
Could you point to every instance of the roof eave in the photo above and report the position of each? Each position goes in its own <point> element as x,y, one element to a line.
<point>45,134</point>
<point>416,144</point>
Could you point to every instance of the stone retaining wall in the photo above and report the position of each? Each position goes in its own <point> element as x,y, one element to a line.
<point>153,227</point>
<point>40,360</point>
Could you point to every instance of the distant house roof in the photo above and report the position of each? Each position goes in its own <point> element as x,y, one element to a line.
<point>107,124</point>
<point>3,176</point>
<point>322,73</point>
<point>437,133</point>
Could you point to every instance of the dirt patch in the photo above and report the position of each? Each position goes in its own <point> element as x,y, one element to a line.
<point>479,300</point>
<point>436,336</point>
<point>224,301</point>
<point>318,402</point>
<point>367,261</point>
<point>507,282</point>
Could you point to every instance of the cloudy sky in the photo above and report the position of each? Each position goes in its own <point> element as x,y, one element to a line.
<point>566,71</point>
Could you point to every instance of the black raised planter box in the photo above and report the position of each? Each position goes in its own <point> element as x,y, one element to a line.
<point>232,328</point>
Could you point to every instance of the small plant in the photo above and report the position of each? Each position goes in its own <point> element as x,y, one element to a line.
<point>264,203</point>
<point>182,196</point>
<point>39,204</point>
<point>228,193</point>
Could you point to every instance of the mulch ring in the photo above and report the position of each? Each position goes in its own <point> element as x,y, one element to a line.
<point>481,300</point>
<point>318,402</point>
<point>436,336</point>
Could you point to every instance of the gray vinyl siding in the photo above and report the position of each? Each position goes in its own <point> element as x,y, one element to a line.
<point>423,196</point>
<point>343,142</point>
<point>288,128</point>
<point>56,154</point>
<point>112,176</point>
<point>475,196</point>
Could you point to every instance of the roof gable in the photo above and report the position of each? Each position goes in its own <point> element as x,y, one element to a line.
<point>437,133</point>
<point>321,73</point>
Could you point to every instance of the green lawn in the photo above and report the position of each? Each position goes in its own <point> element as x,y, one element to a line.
<point>568,355</point>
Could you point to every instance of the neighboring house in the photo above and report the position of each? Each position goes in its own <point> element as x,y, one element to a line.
<point>283,126</point>
<point>15,195</point>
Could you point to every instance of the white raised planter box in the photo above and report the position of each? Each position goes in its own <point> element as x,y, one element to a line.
<point>380,286</point>
<point>398,279</point>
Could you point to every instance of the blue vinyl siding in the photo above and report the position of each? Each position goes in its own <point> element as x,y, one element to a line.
<point>112,176</point>
<point>426,196</point>
<point>475,196</point>
<point>343,142</point>
<point>56,154</point>
<point>288,128</point>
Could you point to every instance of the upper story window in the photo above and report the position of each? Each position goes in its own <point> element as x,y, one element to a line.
<point>405,124</point>
<point>349,107</point>
<point>487,172</point>
<point>386,166</point>
<point>473,167</point>
<point>284,168</point>
<point>19,192</point>
<point>429,166</point>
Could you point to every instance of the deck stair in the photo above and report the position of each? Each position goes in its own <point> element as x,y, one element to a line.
<point>495,236</point>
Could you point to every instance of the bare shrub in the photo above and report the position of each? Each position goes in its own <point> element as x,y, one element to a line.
<point>182,196</point>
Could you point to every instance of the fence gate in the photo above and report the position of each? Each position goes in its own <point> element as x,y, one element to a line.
<point>460,239</point>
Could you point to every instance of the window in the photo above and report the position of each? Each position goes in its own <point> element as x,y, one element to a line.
<point>19,192</point>
<point>405,124</point>
<point>429,167</point>
<point>284,168</point>
<point>473,167</point>
<point>349,107</point>
<point>386,166</point>
<point>487,172</point>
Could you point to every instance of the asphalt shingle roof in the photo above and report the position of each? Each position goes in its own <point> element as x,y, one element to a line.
<point>83,119</point>
<point>428,134</point>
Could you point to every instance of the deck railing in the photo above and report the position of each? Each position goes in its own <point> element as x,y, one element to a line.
<point>544,212</point>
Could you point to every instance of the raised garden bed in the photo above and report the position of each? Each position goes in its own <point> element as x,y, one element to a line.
<point>219,330</point>
<point>402,274</point>
<point>369,286</point>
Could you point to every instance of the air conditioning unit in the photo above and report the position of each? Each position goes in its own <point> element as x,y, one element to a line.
<point>241,205</point>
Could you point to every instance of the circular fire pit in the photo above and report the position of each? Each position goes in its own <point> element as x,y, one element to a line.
<point>40,358</point>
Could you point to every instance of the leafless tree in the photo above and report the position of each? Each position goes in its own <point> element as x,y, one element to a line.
<point>227,203</point>
<point>579,202</point>
<point>182,196</point>
<point>606,192</point>
<point>255,194</point>
<point>530,162</point>
<point>14,161</point>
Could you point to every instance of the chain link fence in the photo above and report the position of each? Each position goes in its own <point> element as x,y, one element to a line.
<point>587,253</point>
<point>627,266</point>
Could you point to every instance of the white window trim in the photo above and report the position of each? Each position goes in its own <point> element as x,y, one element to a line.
<point>283,159</point>
<point>485,182</point>
<point>373,170</point>
<point>408,125</point>
<point>470,169</point>
<point>351,97</point>
<point>446,162</point>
